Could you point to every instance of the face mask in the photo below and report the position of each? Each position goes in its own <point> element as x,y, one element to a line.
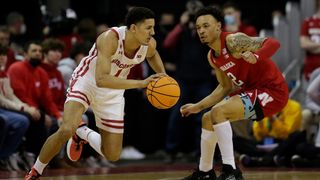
<point>34,62</point>
<point>23,29</point>
<point>229,19</point>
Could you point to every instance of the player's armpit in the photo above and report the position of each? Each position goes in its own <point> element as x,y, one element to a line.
<point>240,42</point>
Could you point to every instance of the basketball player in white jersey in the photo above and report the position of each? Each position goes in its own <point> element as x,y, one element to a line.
<point>99,82</point>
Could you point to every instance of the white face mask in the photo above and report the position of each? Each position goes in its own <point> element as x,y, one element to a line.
<point>23,29</point>
<point>229,19</point>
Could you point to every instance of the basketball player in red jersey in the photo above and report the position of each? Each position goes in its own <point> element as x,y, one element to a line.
<point>99,82</point>
<point>245,72</point>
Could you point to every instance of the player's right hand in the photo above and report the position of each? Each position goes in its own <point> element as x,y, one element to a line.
<point>151,78</point>
<point>188,109</point>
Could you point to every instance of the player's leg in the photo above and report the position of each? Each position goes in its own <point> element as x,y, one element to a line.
<point>230,109</point>
<point>107,144</point>
<point>71,118</point>
<point>111,145</point>
<point>207,145</point>
<point>109,120</point>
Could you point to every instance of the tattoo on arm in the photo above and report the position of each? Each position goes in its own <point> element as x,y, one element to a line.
<point>240,42</point>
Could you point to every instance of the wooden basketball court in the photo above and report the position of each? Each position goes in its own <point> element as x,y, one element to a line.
<point>162,172</point>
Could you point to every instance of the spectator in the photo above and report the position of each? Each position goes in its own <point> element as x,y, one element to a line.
<point>233,21</point>
<point>280,125</point>
<point>30,84</point>
<point>5,41</point>
<point>52,50</point>
<point>312,107</point>
<point>310,42</point>
<point>195,85</point>
<point>67,65</point>
<point>63,28</point>
<point>276,138</point>
<point>17,27</point>
<point>13,124</point>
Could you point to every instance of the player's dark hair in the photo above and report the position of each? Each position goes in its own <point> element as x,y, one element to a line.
<point>138,14</point>
<point>213,11</point>
<point>231,4</point>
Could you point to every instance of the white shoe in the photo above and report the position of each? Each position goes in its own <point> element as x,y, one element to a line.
<point>105,163</point>
<point>13,161</point>
<point>131,153</point>
<point>30,159</point>
<point>92,162</point>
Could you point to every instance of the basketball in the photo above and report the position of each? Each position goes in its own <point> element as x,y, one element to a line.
<point>163,93</point>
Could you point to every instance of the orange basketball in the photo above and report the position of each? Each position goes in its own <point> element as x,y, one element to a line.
<point>163,93</point>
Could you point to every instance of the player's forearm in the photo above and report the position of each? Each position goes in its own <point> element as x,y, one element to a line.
<point>157,64</point>
<point>308,45</point>
<point>108,81</point>
<point>216,96</point>
<point>268,49</point>
<point>315,50</point>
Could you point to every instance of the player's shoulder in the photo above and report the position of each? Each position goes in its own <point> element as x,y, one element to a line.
<point>109,34</point>
<point>109,38</point>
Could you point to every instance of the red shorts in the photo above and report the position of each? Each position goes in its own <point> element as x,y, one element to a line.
<point>265,101</point>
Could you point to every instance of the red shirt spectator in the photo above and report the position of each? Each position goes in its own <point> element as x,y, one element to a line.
<point>30,82</point>
<point>56,84</point>
<point>310,41</point>
<point>233,22</point>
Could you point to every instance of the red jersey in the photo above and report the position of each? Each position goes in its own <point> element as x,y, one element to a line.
<point>56,84</point>
<point>30,85</point>
<point>263,76</point>
<point>311,28</point>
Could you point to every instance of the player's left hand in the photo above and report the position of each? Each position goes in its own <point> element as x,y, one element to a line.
<point>188,109</point>
<point>249,57</point>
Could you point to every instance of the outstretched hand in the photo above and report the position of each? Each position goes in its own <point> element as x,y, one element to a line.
<point>188,109</point>
<point>249,57</point>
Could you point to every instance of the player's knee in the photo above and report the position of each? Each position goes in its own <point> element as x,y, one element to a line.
<point>110,155</point>
<point>217,115</point>
<point>206,122</point>
<point>65,133</point>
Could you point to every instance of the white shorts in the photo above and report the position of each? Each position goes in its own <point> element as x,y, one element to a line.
<point>107,104</point>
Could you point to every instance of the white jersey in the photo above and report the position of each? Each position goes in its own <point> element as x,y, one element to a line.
<point>120,63</point>
<point>106,103</point>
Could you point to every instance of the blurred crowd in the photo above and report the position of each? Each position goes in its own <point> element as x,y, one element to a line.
<point>35,73</point>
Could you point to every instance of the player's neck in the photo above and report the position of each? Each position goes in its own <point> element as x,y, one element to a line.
<point>131,44</point>
<point>216,44</point>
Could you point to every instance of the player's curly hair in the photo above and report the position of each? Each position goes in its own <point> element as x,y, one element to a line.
<point>138,14</point>
<point>211,10</point>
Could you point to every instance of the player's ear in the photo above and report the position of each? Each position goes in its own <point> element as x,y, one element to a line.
<point>133,27</point>
<point>219,26</point>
